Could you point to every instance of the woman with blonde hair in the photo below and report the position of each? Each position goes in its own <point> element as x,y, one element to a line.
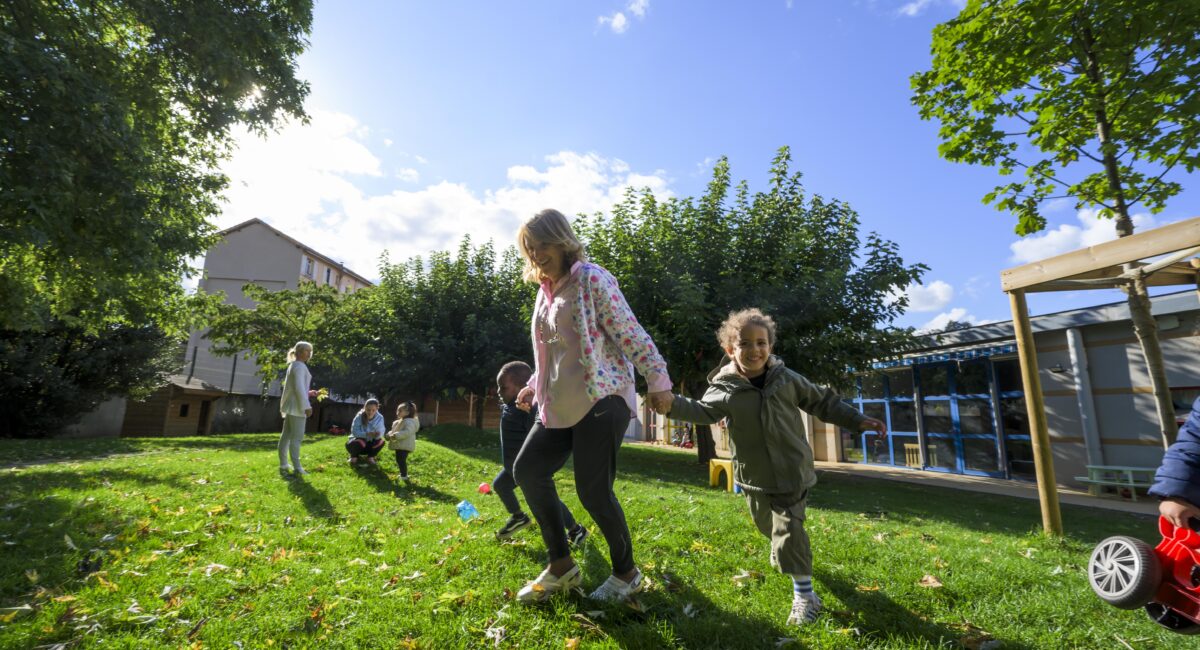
<point>294,406</point>
<point>586,343</point>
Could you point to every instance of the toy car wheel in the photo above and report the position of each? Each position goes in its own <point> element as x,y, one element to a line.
<point>1124,572</point>
<point>1171,619</point>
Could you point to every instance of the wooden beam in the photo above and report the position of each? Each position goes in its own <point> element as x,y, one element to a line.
<point>1151,243</point>
<point>1043,458</point>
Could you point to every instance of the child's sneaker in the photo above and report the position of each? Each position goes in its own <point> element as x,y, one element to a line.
<point>371,461</point>
<point>351,461</point>
<point>805,608</point>
<point>285,472</point>
<point>301,472</point>
<point>616,590</point>
<point>514,523</point>
<point>577,535</point>
<point>546,585</point>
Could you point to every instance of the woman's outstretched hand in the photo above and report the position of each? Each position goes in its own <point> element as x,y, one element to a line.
<point>661,401</point>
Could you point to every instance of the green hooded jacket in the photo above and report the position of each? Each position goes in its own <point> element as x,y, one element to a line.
<point>766,429</point>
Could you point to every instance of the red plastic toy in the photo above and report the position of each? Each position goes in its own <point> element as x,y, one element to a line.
<point>484,488</point>
<point>1165,580</point>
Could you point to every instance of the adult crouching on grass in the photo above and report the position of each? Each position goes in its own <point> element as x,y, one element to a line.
<point>586,342</point>
<point>366,435</point>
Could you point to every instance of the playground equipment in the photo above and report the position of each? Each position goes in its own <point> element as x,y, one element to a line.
<point>1126,572</point>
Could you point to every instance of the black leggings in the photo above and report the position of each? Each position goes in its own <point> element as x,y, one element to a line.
<point>594,441</point>
<point>402,461</point>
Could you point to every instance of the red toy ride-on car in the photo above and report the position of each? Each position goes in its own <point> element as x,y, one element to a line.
<point>1164,580</point>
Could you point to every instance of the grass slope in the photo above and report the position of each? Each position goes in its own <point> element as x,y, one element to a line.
<point>197,542</point>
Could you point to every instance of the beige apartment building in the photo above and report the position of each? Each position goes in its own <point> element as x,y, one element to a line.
<point>253,252</point>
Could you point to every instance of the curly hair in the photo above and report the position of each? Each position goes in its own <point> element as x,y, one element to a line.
<point>731,329</point>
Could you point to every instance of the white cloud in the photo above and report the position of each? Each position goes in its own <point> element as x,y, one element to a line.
<point>929,297</point>
<point>958,314</point>
<point>917,7</point>
<point>387,142</point>
<point>1068,237</point>
<point>617,22</point>
<point>305,181</point>
<point>408,175</point>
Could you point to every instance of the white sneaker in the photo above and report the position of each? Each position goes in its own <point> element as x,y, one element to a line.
<point>804,609</point>
<point>546,585</point>
<point>616,590</point>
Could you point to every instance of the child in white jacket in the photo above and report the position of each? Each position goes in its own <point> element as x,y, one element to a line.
<point>403,437</point>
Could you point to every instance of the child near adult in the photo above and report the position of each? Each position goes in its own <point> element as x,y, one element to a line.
<point>366,435</point>
<point>515,423</point>
<point>773,463</point>
<point>402,438</point>
<point>294,407</point>
<point>1177,481</point>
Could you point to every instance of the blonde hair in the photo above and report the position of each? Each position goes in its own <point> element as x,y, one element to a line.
<point>298,347</point>
<point>548,227</point>
<point>410,409</point>
<point>731,330</point>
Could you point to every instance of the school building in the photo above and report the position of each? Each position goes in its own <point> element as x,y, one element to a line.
<point>957,404</point>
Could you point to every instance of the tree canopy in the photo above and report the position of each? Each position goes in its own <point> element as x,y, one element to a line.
<point>114,116</point>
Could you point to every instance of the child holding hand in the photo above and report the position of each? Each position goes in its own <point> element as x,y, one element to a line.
<point>773,463</point>
<point>1177,481</point>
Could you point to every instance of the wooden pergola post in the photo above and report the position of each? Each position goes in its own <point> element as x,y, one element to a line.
<point>1043,457</point>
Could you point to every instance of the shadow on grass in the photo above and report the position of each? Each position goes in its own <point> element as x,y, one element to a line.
<point>674,613</point>
<point>57,450</point>
<point>314,500</point>
<point>634,463</point>
<point>411,491</point>
<point>877,616</point>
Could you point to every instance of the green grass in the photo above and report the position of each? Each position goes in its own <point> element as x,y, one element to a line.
<point>199,542</point>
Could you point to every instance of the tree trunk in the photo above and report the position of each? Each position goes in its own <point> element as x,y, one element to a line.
<point>1144,325</point>
<point>1146,329</point>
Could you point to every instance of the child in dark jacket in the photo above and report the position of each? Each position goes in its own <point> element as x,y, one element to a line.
<point>515,423</point>
<point>1177,481</point>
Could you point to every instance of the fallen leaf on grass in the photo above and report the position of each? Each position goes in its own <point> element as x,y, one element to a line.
<point>414,576</point>
<point>571,643</point>
<point>64,599</point>
<point>70,543</point>
<point>32,575</point>
<point>213,568</point>
<point>495,635</point>
<point>930,581</point>
<point>867,588</point>
<point>745,577</point>
<point>9,614</point>
<point>671,582</point>
<point>357,561</point>
<point>690,611</point>
<point>702,547</point>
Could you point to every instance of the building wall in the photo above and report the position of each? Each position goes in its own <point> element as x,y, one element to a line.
<point>147,418</point>
<point>104,422</point>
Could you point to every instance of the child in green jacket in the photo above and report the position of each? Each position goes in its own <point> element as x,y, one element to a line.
<point>773,463</point>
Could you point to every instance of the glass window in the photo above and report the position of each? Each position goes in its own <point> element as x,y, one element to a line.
<point>979,454</point>
<point>1008,375</point>
<point>937,417</point>
<point>876,448</point>
<point>877,410</point>
<point>873,386</point>
<point>851,446</point>
<point>972,378</point>
<point>1013,416</point>
<point>939,452</point>
<point>904,416</point>
<point>1020,459</point>
<point>934,380</point>
<point>975,415</point>
<point>901,383</point>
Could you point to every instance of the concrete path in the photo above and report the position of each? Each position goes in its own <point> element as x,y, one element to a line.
<point>1021,489</point>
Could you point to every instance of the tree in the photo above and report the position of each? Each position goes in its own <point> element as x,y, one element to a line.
<point>114,115</point>
<point>53,376</point>
<point>1094,100</point>
<point>278,320</point>
<point>684,264</point>
<point>445,326</point>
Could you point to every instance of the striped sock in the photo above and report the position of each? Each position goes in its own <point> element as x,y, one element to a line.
<point>802,585</point>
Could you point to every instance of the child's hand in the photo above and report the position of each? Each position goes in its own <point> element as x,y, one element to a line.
<point>871,424</point>
<point>1177,511</point>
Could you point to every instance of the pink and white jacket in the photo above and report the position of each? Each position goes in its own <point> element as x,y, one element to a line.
<point>612,342</point>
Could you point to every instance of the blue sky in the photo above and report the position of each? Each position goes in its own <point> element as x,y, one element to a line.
<point>431,120</point>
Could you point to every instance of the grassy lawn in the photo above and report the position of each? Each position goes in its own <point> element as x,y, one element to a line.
<point>198,542</point>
